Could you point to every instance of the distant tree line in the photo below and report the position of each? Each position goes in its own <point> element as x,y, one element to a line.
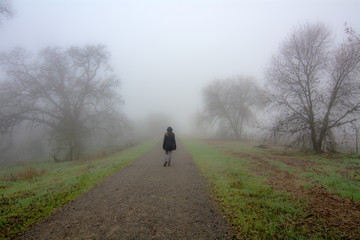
<point>312,91</point>
<point>312,94</point>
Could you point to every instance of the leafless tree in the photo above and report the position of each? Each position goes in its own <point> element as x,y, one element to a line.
<point>231,103</point>
<point>314,86</point>
<point>72,92</point>
<point>6,10</point>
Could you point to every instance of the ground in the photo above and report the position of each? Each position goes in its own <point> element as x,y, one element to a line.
<point>335,211</point>
<point>149,201</point>
<point>142,201</point>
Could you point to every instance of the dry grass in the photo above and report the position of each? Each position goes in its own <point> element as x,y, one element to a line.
<point>24,174</point>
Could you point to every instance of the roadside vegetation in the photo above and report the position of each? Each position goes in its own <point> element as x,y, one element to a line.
<point>266,193</point>
<point>31,192</point>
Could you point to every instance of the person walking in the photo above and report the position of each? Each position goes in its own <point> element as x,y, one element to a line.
<point>169,145</point>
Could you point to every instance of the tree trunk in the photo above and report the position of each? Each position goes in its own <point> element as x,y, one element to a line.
<point>317,146</point>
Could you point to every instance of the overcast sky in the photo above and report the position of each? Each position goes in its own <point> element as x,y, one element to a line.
<point>166,52</point>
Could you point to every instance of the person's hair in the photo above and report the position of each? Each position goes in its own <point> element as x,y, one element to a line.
<point>169,130</point>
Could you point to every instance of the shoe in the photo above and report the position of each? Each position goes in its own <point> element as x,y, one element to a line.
<point>169,165</point>
<point>165,164</point>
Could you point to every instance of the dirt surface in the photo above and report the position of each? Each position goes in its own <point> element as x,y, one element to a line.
<point>142,201</point>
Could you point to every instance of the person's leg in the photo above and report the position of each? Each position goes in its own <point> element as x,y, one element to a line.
<point>169,157</point>
<point>166,158</point>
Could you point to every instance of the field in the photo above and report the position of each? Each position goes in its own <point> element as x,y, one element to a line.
<point>267,193</point>
<point>31,192</point>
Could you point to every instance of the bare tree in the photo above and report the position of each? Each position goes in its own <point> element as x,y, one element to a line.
<point>231,103</point>
<point>314,86</point>
<point>72,92</point>
<point>6,10</point>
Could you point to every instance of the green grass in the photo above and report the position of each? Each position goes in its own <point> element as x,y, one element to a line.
<point>32,192</point>
<point>337,173</point>
<point>335,183</point>
<point>255,210</point>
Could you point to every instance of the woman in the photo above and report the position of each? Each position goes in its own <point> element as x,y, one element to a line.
<point>169,145</point>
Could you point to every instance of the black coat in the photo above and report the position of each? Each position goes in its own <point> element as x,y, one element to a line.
<point>169,143</point>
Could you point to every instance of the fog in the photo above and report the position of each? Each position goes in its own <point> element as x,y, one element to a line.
<point>166,52</point>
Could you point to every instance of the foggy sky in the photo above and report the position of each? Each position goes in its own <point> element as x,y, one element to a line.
<point>165,52</point>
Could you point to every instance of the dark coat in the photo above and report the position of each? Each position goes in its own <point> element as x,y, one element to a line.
<point>169,143</point>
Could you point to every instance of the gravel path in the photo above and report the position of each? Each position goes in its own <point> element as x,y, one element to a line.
<point>142,201</point>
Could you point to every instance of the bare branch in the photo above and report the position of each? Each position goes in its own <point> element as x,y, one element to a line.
<point>314,87</point>
<point>68,91</point>
<point>230,104</point>
<point>6,10</point>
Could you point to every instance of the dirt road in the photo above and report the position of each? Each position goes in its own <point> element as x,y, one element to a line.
<point>142,201</point>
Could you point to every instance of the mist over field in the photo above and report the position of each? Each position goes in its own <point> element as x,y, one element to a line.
<point>163,53</point>
<point>263,97</point>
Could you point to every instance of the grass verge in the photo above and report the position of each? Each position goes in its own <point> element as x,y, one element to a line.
<point>32,192</point>
<point>267,193</point>
<point>255,210</point>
